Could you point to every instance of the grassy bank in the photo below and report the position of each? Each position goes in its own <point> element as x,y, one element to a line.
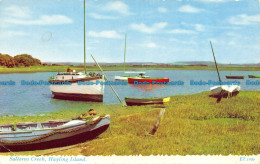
<point>119,68</point>
<point>192,124</point>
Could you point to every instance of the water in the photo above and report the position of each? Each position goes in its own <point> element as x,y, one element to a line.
<point>26,100</point>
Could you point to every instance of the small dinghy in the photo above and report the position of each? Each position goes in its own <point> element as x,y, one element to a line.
<point>145,101</point>
<point>43,135</point>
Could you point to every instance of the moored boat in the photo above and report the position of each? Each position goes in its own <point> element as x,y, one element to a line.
<point>129,75</point>
<point>130,101</point>
<point>79,87</point>
<point>254,76</point>
<point>151,80</point>
<point>43,135</point>
<point>235,77</point>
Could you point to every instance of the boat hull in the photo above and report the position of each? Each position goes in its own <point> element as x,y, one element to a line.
<point>79,92</point>
<point>145,101</point>
<point>235,77</point>
<point>254,76</point>
<point>59,139</point>
<point>147,80</point>
<point>224,91</point>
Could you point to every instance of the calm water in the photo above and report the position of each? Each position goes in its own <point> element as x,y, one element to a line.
<point>27,100</point>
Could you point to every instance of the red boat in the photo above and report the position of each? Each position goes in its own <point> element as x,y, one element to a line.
<point>147,80</point>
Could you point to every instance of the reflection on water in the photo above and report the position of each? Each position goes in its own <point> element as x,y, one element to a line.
<point>24,100</point>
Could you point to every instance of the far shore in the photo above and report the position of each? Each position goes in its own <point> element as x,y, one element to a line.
<point>63,68</point>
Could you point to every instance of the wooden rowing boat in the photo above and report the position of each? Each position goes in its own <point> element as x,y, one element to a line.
<point>254,76</point>
<point>43,135</point>
<point>145,101</point>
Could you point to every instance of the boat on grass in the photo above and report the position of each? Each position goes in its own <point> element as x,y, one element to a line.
<point>254,76</point>
<point>130,101</point>
<point>235,77</point>
<point>50,134</point>
<point>222,91</point>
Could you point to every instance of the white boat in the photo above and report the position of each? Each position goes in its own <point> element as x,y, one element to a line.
<point>77,86</point>
<point>130,75</point>
<point>224,91</point>
<point>49,134</point>
<point>91,91</point>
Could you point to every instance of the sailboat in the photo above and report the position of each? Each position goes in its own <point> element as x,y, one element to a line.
<point>222,91</point>
<point>127,75</point>
<point>71,85</point>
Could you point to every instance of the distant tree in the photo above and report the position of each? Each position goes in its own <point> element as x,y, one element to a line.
<point>7,60</point>
<point>26,60</point>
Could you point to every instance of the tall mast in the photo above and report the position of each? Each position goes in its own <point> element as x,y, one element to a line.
<point>215,61</point>
<point>124,54</point>
<point>84,43</point>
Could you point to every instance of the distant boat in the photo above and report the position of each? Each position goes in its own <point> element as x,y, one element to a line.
<point>145,101</point>
<point>235,77</point>
<point>254,76</point>
<point>128,75</point>
<point>222,91</point>
<point>43,135</point>
<point>148,80</point>
<point>74,91</point>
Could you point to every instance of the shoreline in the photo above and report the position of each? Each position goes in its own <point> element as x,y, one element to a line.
<point>192,124</point>
<point>35,69</point>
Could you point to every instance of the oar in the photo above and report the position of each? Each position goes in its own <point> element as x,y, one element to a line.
<point>107,80</point>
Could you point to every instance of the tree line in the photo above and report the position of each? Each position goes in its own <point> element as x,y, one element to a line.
<point>18,60</point>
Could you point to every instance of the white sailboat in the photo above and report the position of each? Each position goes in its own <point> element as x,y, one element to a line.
<point>91,91</point>
<point>127,75</point>
<point>223,90</point>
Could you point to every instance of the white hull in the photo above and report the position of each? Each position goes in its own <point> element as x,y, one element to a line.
<point>224,90</point>
<point>121,78</point>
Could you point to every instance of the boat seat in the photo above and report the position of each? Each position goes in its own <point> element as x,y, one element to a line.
<point>6,127</point>
<point>26,126</point>
<point>53,124</point>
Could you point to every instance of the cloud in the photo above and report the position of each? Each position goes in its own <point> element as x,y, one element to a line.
<point>8,34</point>
<point>105,34</point>
<point>162,10</point>
<point>43,20</point>
<point>244,19</point>
<point>145,29</point>
<point>117,6</point>
<point>20,12</point>
<point>150,45</point>
<point>98,16</point>
<point>189,9</point>
<point>181,31</point>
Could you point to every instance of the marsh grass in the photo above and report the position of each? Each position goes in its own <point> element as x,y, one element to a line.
<point>192,125</point>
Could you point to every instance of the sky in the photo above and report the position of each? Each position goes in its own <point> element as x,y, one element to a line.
<point>161,31</point>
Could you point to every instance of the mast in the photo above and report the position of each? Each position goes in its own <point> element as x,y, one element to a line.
<point>84,43</point>
<point>215,61</point>
<point>124,54</point>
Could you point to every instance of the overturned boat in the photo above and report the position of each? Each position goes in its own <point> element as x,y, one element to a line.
<point>44,135</point>
<point>224,91</point>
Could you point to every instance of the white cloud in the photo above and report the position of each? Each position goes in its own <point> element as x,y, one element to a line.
<point>117,6</point>
<point>181,31</point>
<point>98,16</point>
<point>105,34</point>
<point>199,27</point>
<point>20,12</point>
<point>162,9</point>
<point>8,34</point>
<point>244,19</point>
<point>43,20</point>
<point>189,9</point>
<point>150,45</point>
<point>145,29</point>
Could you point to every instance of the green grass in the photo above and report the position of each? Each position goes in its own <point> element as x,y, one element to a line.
<point>192,125</point>
<point>119,68</point>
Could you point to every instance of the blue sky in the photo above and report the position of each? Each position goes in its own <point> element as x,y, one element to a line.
<point>163,31</point>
